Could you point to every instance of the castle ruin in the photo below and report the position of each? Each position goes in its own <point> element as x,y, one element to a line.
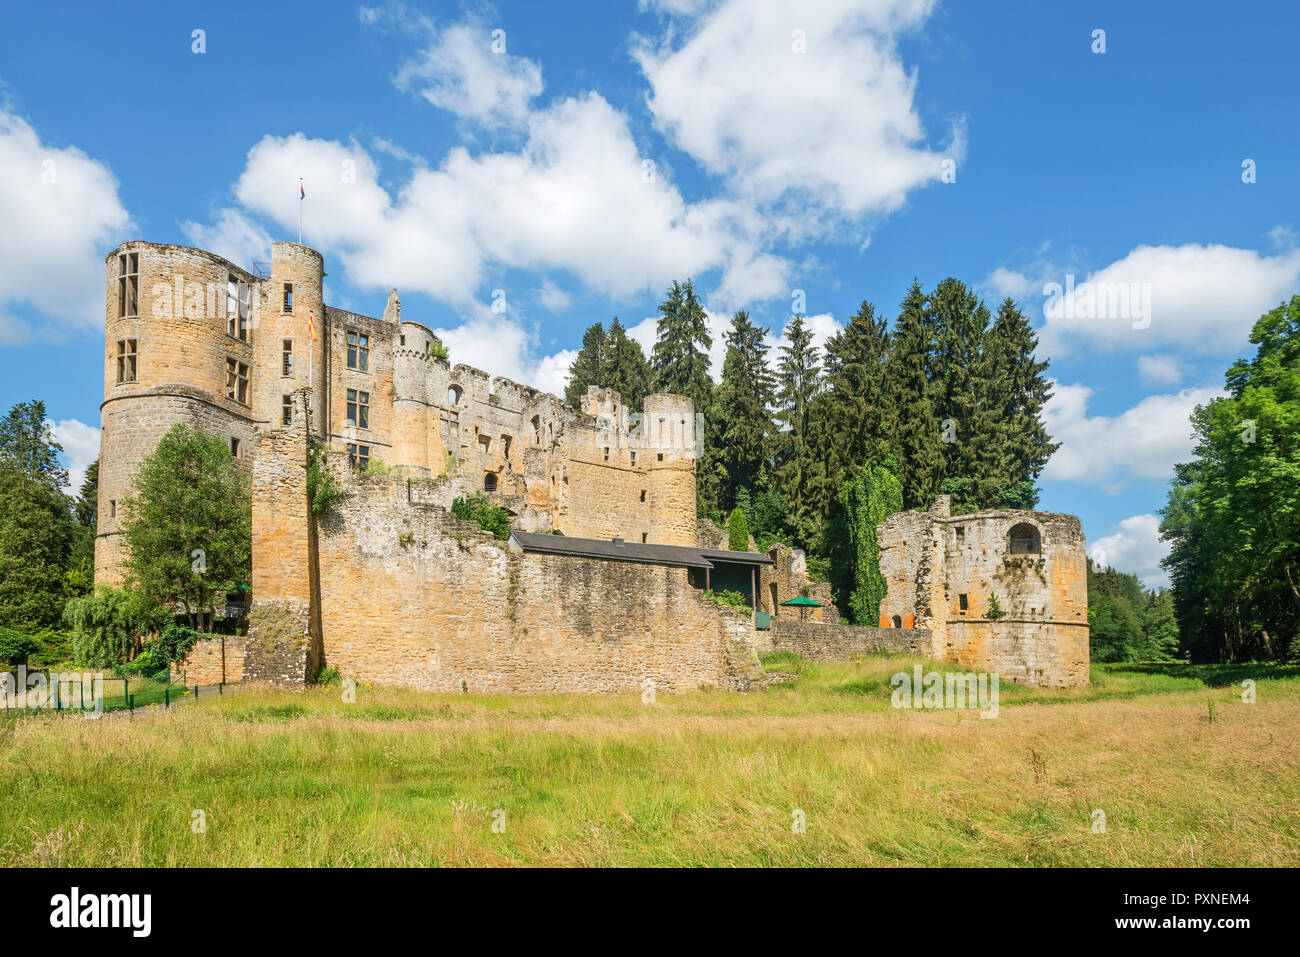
<point>604,586</point>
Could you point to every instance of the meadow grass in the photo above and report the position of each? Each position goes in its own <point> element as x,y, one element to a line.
<point>706,778</point>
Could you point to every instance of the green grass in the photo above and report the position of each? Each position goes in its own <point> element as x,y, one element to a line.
<point>403,778</point>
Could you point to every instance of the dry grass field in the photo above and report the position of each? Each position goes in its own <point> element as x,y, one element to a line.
<point>1184,772</point>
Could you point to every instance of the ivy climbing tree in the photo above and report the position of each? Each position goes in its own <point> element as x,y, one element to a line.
<point>869,496</point>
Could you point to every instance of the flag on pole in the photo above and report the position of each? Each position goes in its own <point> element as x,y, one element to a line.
<point>311,326</point>
<point>302,193</point>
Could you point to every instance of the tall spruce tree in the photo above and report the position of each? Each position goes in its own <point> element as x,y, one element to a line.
<point>908,395</point>
<point>626,369</point>
<point>588,366</point>
<point>742,426</point>
<point>855,423</point>
<point>800,469</point>
<point>960,375</point>
<point>680,361</point>
<point>1019,390</point>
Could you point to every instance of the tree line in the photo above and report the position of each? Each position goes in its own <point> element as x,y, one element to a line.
<point>947,398</point>
<point>1233,512</point>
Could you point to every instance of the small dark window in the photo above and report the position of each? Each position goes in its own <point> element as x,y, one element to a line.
<point>961,602</point>
<point>643,495</point>
<point>286,357</point>
<point>234,446</point>
<point>128,284</point>
<point>898,622</point>
<point>961,532</point>
<point>358,456</point>
<point>358,351</point>
<point>644,536</point>
<point>490,482</point>
<point>288,297</point>
<point>607,453</point>
<point>126,360</point>
<point>661,456</point>
<point>401,340</point>
<point>112,508</point>
<point>286,410</point>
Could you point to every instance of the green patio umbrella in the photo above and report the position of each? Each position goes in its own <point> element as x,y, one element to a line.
<point>803,603</point>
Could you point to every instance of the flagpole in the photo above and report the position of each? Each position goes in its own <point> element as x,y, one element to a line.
<point>300,197</point>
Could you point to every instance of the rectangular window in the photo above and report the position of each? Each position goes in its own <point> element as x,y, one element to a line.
<point>644,536</point>
<point>961,533</point>
<point>634,460</point>
<point>485,444</point>
<point>112,508</point>
<point>288,297</point>
<point>358,456</point>
<point>961,602</point>
<point>607,453</point>
<point>286,357</point>
<point>237,381</point>
<point>128,285</point>
<point>126,360</point>
<point>358,351</point>
<point>358,409</point>
<point>643,495</point>
<point>286,410</point>
<point>238,297</point>
<point>234,446</point>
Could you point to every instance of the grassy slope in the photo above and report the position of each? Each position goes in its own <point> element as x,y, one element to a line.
<point>710,778</point>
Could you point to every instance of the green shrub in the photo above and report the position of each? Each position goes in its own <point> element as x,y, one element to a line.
<point>109,626</point>
<point>323,493</point>
<point>490,518</point>
<point>737,531</point>
<point>377,467</point>
<point>994,611</point>
<point>176,641</point>
<point>328,676</point>
<point>732,598</point>
<point>17,646</point>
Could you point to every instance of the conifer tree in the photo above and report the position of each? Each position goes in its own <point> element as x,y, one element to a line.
<point>680,361</point>
<point>742,426</point>
<point>800,470</point>
<point>908,394</point>
<point>855,423</point>
<point>589,365</point>
<point>959,373</point>
<point>626,370</point>
<point>1019,390</point>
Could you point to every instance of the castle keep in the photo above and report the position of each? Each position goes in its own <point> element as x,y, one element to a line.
<point>604,584</point>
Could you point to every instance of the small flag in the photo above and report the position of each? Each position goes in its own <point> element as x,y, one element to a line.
<point>302,193</point>
<point>311,326</point>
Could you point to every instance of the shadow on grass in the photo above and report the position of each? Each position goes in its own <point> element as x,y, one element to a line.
<point>1211,675</point>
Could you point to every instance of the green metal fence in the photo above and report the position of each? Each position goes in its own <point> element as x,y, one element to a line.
<point>119,694</point>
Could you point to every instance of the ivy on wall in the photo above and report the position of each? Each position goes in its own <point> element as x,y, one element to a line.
<point>871,495</point>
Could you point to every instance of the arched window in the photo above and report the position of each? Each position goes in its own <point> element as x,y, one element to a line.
<point>898,621</point>
<point>453,395</point>
<point>1025,540</point>
<point>490,482</point>
<point>537,429</point>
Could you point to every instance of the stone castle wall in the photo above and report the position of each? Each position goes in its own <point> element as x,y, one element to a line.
<point>824,642</point>
<point>216,660</point>
<point>932,561</point>
<point>412,596</point>
<point>589,473</point>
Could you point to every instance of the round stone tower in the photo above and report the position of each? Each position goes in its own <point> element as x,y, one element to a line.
<point>177,349</point>
<point>412,422</point>
<point>671,442</point>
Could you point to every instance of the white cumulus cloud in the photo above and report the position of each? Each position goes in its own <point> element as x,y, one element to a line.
<point>80,448</point>
<point>60,215</point>
<point>1134,547</point>
<point>1144,441</point>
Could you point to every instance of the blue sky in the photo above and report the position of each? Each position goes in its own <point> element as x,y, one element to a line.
<point>832,148</point>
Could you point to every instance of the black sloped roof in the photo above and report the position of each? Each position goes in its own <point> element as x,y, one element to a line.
<point>619,550</point>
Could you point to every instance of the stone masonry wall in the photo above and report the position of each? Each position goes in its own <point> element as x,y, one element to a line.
<point>412,596</point>
<point>211,661</point>
<point>840,642</point>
